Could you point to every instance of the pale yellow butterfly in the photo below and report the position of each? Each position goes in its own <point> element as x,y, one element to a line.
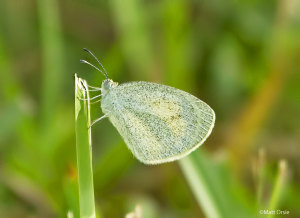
<point>158,123</point>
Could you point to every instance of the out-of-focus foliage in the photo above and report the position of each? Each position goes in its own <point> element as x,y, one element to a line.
<point>241,57</point>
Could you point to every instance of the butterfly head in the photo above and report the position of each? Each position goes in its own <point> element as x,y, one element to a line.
<point>108,84</point>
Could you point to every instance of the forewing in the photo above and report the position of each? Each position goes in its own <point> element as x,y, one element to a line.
<point>159,123</point>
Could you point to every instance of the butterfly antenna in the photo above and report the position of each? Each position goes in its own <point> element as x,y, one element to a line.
<point>85,62</point>
<point>104,71</point>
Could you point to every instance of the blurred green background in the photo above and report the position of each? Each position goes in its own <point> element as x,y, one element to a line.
<point>241,57</point>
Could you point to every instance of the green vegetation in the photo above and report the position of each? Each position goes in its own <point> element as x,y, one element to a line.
<point>84,149</point>
<point>239,57</point>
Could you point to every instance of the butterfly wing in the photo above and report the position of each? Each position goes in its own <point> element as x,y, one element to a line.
<point>157,122</point>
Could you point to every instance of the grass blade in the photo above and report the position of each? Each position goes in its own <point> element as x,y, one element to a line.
<point>83,147</point>
<point>198,183</point>
<point>278,188</point>
<point>53,74</point>
<point>131,23</point>
<point>215,190</point>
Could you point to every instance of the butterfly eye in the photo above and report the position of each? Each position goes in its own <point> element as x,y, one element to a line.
<point>108,84</point>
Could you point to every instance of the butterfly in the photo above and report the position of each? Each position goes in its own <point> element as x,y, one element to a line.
<point>158,123</point>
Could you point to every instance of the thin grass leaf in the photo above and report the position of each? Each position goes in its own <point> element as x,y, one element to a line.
<point>278,188</point>
<point>194,172</point>
<point>83,148</point>
<point>131,23</point>
<point>53,73</point>
<point>214,190</point>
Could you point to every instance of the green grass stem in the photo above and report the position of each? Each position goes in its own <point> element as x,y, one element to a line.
<point>83,148</point>
<point>198,181</point>
<point>278,188</point>
<point>130,18</point>
<point>52,66</point>
<point>214,189</point>
<point>260,178</point>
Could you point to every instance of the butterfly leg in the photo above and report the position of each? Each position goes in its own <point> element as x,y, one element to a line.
<point>95,101</point>
<point>94,90</point>
<point>97,96</point>
<point>94,87</point>
<point>95,121</point>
